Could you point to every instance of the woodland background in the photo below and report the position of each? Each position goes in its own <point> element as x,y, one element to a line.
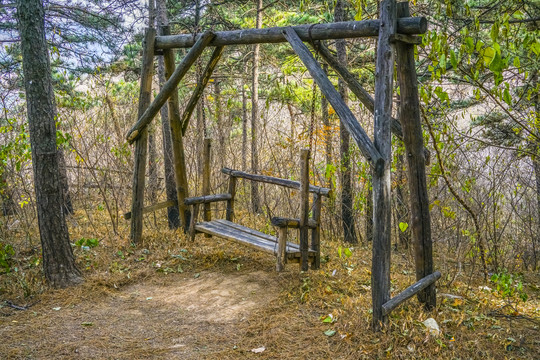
<point>478,69</point>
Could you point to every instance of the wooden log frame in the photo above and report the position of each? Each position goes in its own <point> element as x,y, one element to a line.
<point>395,27</point>
<point>276,181</point>
<point>345,114</point>
<point>409,292</point>
<point>170,86</point>
<point>327,31</point>
<point>207,152</point>
<point>177,141</point>
<point>201,84</point>
<point>381,248</point>
<point>230,203</point>
<point>291,223</point>
<point>316,232</point>
<point>304,208</point>
<point>409,115</point>
<point>204,199</point>
<point>358,90</point>
<point>141,146</point>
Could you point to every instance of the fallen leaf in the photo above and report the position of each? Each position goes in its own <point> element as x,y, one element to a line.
<point>56,308</point>
<point>87,323</point>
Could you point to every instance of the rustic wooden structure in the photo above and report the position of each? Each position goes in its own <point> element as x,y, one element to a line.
<point>396,32</point>
<point>305,253</point>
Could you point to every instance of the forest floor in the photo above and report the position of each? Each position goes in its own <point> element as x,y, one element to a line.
<point>211,299</point>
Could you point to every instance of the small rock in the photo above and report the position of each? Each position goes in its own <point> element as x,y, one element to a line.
<point>258,350</point>
<point>432,326</point>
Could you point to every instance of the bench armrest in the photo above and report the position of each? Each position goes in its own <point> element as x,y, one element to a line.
<point>291,223</point>
<point>206,199</point>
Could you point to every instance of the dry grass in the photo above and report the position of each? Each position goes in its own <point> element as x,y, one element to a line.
<point>213,299</point>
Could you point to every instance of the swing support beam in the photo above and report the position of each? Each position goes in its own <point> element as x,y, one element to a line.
<point>328,31</point>
<point>395,31</point>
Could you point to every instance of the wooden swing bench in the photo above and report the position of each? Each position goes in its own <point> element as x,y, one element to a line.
<point>285,252</point>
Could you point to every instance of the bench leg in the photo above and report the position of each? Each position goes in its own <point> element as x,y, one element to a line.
<point>193,222</point>
<point>282,245</point>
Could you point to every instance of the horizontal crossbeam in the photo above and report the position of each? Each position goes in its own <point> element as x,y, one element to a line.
<point>276,181</point>
<point>205,199</point>
<point>409,292</point>
<point>339,30</point>
<point>170,86</point>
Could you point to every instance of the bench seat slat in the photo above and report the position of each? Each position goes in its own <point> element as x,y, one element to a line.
<point>247,230</point>
<point>239,233</point>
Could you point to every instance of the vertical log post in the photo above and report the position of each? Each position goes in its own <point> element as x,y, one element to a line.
<point>180,173</point>
<point>409,115</point>
<point>304,208</point>
<point>282,247</point>
<point>381,249</point>
<point>193,222</point>
<point>141,145</point>
<point>230,203</point>
<point>207,147</point>
<point>316,233</point>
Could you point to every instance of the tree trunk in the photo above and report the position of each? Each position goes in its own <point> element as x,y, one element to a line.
<point>8,205</point>
<point>62,173</point>
<point>327,134</point>
<point>220,124</point>
<point>168,161</point>
<point>536,165</point>
<point>58,261</point>
<point>536,242</point>
<point>244,121</point>
<point>346,174</point>
<point>255,115</point>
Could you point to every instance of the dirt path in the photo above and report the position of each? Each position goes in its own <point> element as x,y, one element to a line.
<point>177,316</point>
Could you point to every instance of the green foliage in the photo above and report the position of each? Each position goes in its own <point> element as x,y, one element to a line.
<point>6,254</point>
<point>509,286</point>
<point>87,243</point>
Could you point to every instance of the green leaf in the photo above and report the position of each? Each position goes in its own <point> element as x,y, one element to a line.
<point>403,226</point>
<point>489,54</point>
<point>453,59</point>
<point>87,323</point>
<point>358,15</point>
<point>347,252</point>
<point>330,332</point>
<point>516,62</point>
<point>496,65</point>
<point>494,33</point>
<point>507,98</point>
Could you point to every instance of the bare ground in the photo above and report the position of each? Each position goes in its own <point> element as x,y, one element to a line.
<point>176,316</point>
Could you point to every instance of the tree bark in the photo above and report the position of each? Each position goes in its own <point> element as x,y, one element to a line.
<point>58,260</point>
<point>347,217</point>
<point>220,124</point>
<point>64,183</point>
<point>244,120</point>
<point>255,114</point>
